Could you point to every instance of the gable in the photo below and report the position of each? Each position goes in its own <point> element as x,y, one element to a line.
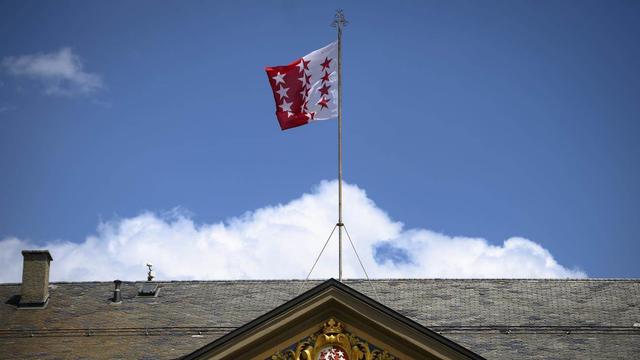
<point>332,316</point>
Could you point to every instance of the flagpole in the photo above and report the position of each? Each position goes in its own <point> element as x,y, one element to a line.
<point>339,22</point>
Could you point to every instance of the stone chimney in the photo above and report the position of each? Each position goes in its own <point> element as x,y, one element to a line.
<point>35,279</point>
<point>117,296</point>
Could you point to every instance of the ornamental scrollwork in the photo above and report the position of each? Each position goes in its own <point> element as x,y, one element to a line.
<point>332,342</point>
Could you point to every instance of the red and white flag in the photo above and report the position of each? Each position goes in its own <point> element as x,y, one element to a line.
<point>307,89</point>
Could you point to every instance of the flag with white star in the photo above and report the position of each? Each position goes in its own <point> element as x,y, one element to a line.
<point>307,89</point>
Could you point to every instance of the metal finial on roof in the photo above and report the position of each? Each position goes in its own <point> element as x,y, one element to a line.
<point>150,274</point>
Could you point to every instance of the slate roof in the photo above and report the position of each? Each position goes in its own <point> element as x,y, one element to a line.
<point>498,319</point>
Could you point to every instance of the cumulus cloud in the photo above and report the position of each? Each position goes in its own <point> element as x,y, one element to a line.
<point>60,72</point>
<point>282,241</point>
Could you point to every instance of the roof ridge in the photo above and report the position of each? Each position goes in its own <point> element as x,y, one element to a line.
<point>350,280</point>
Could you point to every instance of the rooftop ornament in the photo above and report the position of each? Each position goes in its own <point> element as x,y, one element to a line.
<point>151,273</point>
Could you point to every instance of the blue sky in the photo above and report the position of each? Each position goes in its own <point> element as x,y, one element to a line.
<point>490,120</point>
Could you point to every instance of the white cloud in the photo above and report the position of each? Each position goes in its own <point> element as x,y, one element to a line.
<point>282,241</point>
<point>61,72</point>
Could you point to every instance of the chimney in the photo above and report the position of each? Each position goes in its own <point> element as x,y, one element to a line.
<point>117,297</point>
<point>35,279</point>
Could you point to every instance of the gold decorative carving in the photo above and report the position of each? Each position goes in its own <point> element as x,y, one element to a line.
<point>332,327</point>
<point>332,334</point>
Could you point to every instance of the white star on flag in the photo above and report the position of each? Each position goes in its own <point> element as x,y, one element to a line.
<point>279,78</point>
<point>286,106</point>
<point>282,92</point>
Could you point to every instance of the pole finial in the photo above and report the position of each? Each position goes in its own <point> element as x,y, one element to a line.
<point>338,19</point>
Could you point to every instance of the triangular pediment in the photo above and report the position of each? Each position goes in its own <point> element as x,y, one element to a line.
<point>332,318</point>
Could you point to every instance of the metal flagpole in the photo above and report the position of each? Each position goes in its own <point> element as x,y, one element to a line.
<point>339,22</point>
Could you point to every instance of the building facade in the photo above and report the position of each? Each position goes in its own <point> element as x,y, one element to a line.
<point>292,319</point>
